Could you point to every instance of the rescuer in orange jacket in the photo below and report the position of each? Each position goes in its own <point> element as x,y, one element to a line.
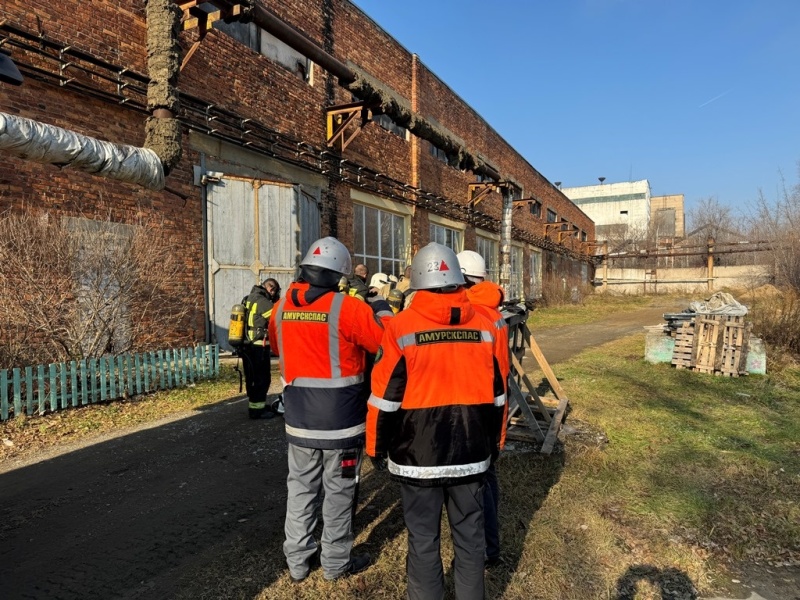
<point>436,411</point>
<point>321,338</point>
<point>486,297</point>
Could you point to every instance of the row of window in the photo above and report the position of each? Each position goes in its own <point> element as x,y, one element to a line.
<point>381,242</point>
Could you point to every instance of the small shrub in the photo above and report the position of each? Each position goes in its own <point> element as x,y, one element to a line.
<point>558,291</point>
<point>75,288</point>
<point>776,320</point>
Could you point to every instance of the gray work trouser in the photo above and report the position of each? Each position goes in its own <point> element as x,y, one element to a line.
<point>422,510</point>
<point>310,471</point>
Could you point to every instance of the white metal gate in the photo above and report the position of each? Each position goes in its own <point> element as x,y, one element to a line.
<point>255,229</point>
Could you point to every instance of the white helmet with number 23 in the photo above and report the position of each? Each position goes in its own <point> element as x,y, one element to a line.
<point>434,267</point>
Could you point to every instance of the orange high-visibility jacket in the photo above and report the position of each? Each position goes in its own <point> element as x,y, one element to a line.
<point>438,396</point>
<point>486,297</point>
<point>322,337</point>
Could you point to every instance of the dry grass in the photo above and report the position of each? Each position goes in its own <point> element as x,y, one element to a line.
<point>592,308</point>
<point>24,436</point>
<point>667,481</point>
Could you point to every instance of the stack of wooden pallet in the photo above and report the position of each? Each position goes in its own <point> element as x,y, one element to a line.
<point>715,344</point>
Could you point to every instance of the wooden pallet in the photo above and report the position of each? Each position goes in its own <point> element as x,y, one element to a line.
<point>707,343</point>
<point>735,342</point>
<point>684,339</point>
<point>715,344</point>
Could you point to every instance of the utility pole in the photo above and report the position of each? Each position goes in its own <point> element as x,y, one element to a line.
<point>710,267</point>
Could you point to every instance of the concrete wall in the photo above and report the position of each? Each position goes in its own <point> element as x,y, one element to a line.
<point>639,281</point>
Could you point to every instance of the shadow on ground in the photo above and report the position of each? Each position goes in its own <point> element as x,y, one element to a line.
<point>672,584</point>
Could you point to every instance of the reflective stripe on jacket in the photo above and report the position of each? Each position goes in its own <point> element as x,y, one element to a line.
<point>438,396</point>
<point>321,338</point>
<point>258,308</point>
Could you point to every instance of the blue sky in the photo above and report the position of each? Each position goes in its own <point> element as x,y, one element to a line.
<point>700,97</point>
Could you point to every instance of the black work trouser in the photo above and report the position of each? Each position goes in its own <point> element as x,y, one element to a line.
<point>422,510</point>
<point>491,501</point>
<point>257,376</point>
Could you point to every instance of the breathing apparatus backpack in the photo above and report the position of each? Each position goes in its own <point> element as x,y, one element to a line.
<point>237,325</point>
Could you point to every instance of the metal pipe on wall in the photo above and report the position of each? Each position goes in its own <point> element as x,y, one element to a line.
<point>296,39</point>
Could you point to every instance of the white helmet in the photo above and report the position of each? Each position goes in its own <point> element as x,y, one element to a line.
<point>434,267</point>
<point>328,253</point>
<point>378,280</point>
<point>472,264</point>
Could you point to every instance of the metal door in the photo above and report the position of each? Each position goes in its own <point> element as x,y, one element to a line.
<point>256,229</point>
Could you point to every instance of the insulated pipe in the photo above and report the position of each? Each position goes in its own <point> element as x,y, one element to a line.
<point>32,140</point>
<point>505,241</point>
<point>163,132</point>
<point>39,142</point>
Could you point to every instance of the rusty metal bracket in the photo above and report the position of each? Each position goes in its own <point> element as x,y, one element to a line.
<point>194,17</point>
<point>564,232</point>
<point>478,191</point>
<point>586,246</point>
<point>525,202</point>
<point>340,117</point>
<point>547,231</point>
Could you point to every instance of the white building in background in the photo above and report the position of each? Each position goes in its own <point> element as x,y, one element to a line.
<point>617,209</point>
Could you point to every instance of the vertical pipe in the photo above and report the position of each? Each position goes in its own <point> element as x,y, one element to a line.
<point>505,241</point>
<point>415,145</point>
<point>163,131</point>
<point>605,266</point>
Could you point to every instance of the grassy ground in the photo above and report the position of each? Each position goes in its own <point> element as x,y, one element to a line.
<point>594,308</point>
<point>669,479</point>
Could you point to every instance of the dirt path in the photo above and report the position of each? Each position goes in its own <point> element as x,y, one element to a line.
<point>138,514</point>
<point>561,343</point>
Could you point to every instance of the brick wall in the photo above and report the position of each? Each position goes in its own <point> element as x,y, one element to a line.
<point>225,73</point>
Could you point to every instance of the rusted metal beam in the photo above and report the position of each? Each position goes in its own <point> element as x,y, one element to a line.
<point>478,191</point>
<point>547,226</point>
<point>484,188</point>
<point>298,40</point>
<point>564,232</point>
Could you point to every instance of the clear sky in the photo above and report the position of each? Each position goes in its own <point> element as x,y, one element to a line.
<point>700,97</point>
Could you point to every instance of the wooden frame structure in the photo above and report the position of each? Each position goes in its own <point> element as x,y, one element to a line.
<point>339,118</point>
<point>529,419</point>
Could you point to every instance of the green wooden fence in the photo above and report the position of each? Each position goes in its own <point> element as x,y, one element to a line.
<point>48,388</point>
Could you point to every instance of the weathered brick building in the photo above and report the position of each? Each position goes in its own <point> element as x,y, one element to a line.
<point>263,172</point>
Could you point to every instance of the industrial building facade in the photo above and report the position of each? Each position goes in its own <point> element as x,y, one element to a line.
<point>275,150</point>
<point>667,218</point>
<point>619,210</point>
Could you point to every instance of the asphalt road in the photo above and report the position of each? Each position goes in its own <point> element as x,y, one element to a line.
<point>134,516</point>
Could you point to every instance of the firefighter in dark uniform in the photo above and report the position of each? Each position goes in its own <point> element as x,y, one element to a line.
<point>255,351</point>
<point>436,413</point>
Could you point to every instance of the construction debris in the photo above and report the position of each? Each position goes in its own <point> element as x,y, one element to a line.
<point>709,337</point>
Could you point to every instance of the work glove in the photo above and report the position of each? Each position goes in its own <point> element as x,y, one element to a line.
<point>379,463</point>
